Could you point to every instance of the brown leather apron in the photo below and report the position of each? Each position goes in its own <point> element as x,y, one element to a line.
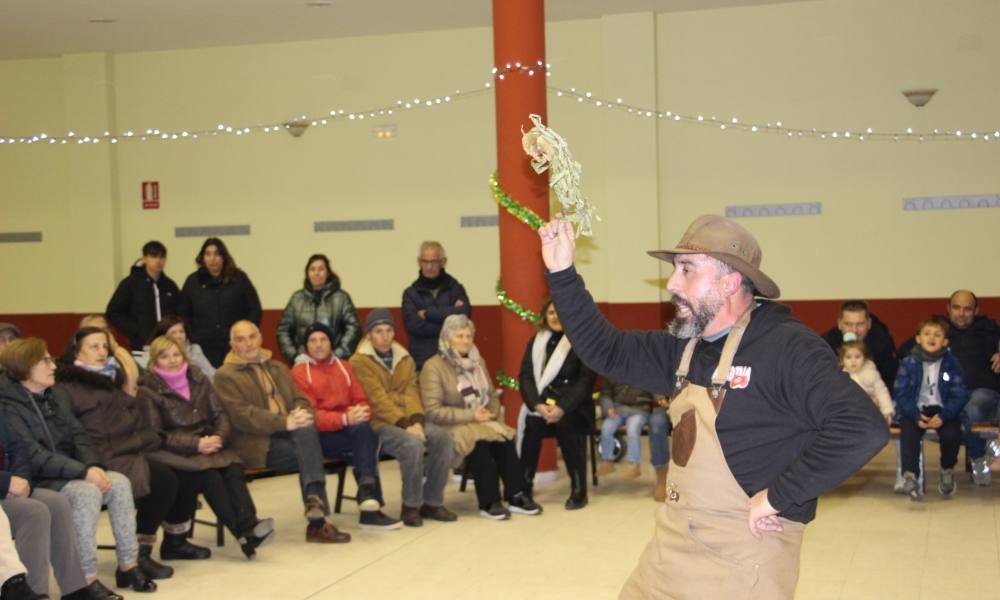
<point>702,547</point>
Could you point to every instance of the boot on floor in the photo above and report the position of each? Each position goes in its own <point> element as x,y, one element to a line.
<point>176,546</point>
<point>660,491</point>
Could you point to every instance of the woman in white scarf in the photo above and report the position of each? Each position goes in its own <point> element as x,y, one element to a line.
<point>556,387</point>
<point>457,395</point>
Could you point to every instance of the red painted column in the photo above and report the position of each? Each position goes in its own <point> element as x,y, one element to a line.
<point>519,38</point>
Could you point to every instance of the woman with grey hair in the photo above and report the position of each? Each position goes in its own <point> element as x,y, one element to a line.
<point>457,395</point>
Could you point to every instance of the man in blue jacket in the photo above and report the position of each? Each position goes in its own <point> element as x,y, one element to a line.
<point>433,297</point>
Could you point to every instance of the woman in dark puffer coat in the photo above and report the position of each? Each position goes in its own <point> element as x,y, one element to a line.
<point>321,300</point>
<point>214,297</point>
<point>162,482</point>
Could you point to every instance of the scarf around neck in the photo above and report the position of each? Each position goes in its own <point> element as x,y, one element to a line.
<point>545,368</point>
<point>473,383</point>
<point>109,369</point>
<point>432,284</point>
<point>925,356</point>
<point>177,380</point>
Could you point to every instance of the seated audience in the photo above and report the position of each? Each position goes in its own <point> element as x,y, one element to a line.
<point>173,327</point>
<point>215,297</point>
<point>856,362</point>
<point>12,571</point>
<point>342,419</point>
<point>556,388</point>
<point>321,300</point>
<point>974,340</point>
<point>635,408</point>
<point>930,394</point>
<point>165,486</point>
<point>41,521</point>
<point>457,395</point>
<point>184,410</point>
<point>389,376</point>
<point>8,333</point>
<point>857,323</point>
<point>274,424</point>
<point>121,355</point>
<point>144,297</point>
<point>64,459</point>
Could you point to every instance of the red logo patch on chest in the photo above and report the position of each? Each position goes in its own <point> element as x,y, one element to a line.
<point>739,377</point>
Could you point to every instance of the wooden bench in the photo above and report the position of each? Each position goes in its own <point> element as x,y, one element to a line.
<point>986,431</point>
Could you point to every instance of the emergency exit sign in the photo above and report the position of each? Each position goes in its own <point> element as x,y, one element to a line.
<point>150,195</point>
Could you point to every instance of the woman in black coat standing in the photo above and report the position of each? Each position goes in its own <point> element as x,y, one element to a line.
<point>214,297</point>
<point>556,387</point>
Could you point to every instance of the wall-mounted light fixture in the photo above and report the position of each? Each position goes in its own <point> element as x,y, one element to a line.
<point>296,128</point>
<point>384,132</point>
<point>919,98</point>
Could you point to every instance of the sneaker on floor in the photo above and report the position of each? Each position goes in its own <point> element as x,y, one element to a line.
<point>605,467</point>
<point>631,472</point>
<point>264,529</point>
<point>367,502</point>
<point>411,517</point>
<point>438,513</point>
<point>376,519</point>
<point>910,486</point>
<point>327,534</point>
<point>946,485</point>
<point>898,487</point>
<point>315,509</point>
<point>523,504</point>
<point>981,471</point>
<point>496,511</point>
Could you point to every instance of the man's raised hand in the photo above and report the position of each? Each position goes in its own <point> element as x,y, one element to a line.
<point>558,245</point>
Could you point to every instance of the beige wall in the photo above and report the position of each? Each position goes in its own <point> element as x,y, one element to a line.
<point>825,64</point>
<point>839,64</point>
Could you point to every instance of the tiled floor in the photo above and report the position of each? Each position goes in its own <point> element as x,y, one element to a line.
<point>865,543</point>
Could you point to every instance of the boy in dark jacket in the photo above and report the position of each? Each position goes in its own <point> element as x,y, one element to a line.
<point>144,297</point>
<point>929,394</point>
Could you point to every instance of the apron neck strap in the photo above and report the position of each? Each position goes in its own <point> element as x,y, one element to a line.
<point>685,365</point>
<point>721,373</point>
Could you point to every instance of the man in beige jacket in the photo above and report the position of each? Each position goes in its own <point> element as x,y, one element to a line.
<point>389,376</point>
<point>273,424</point>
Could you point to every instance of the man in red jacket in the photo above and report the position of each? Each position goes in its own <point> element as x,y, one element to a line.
<point>342,418</point>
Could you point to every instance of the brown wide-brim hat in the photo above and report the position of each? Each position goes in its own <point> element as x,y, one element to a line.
<point>729,242</point>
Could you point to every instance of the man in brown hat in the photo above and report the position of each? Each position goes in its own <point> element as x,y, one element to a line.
<point>764,420</point>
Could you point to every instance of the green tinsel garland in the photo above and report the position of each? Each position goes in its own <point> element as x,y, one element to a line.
<point>519,211</point>
<point>513,306</point>
<point>531,219</point>
<point>507,381</point>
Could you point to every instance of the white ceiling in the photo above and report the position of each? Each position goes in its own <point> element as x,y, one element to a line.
<point>36,28</point>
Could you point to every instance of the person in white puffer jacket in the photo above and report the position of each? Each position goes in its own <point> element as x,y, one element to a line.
<point>857,363</point>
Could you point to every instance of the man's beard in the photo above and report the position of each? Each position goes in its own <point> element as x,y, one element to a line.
<point>695,325</point>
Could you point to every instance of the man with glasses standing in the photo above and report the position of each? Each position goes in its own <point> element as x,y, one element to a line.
<point>430,300</point>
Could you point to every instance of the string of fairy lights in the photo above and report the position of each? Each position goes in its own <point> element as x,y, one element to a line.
<point>499,74</point>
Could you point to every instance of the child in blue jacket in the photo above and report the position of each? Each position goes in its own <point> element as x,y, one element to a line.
<point>929,394</point>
